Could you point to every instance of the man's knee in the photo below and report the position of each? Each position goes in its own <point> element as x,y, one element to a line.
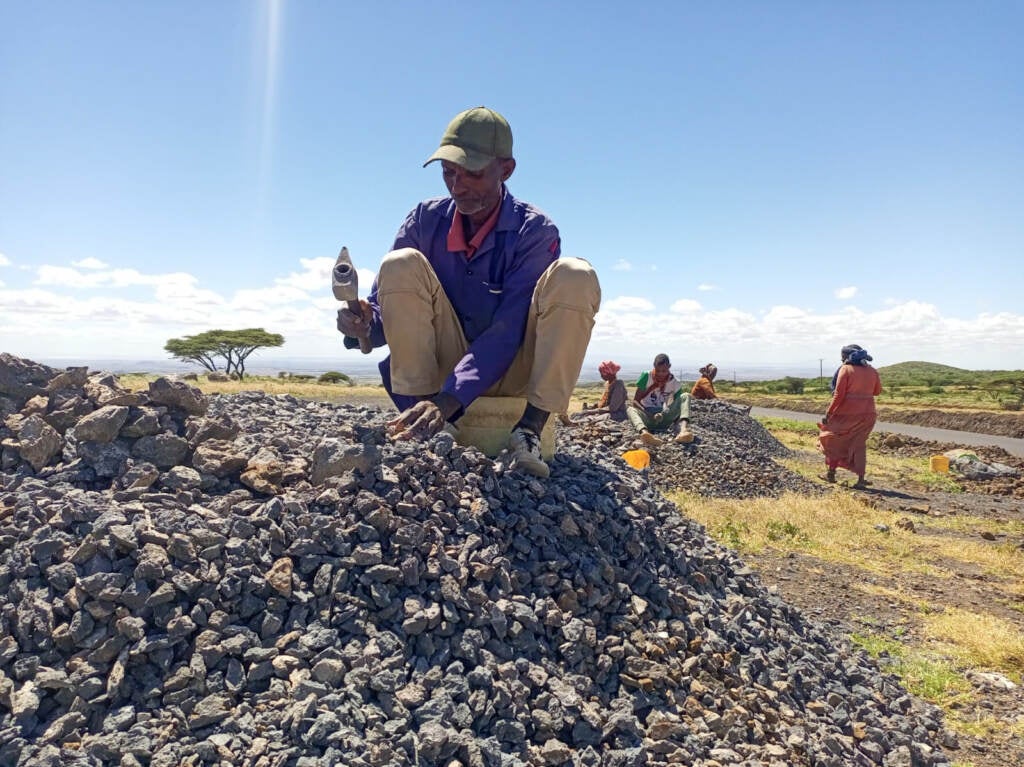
<point>573,281</point>
<point>402,265</point>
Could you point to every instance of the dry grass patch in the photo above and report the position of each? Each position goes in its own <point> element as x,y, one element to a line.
<point>837,528</point>
<point>978,640</point>
<point>983,727</point>
<point>303,389</point>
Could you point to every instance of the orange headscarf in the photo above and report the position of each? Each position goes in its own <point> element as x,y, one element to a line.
<point>607,368</point>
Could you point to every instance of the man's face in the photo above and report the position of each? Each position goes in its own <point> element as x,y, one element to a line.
<point>661,372</point>
<point>476,193</point>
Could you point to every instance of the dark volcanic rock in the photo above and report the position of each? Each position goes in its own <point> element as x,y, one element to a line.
<point>425,607</point>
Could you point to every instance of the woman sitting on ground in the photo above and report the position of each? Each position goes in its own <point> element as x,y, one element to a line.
<point>658,403</point>
<point>843,432</point>
<point>704,388</point>
<point>613,400</point>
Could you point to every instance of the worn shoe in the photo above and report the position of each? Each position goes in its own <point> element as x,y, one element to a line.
<point>525,447</point>
<point>685,436</point>
<point>829,476</point>
<point>649,439</point>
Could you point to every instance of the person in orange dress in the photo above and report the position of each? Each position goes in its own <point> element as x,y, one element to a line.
<point>704,388</point>
<point>843,432</point>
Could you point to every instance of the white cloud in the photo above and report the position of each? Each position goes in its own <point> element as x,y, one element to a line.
<point>89,263</point>
<point>845,294</point>
<point>627,304</point>
<point>314,277</point>
<point>64,276</point>
<point>685,306</point>
<point>909,330</point>
<point>704,286</point>
<point>622,265</point>
<point>264,298</point>
<point>4,260</point>
<point>96,312</point>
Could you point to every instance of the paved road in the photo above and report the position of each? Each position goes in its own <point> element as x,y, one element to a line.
<point>965,438</point>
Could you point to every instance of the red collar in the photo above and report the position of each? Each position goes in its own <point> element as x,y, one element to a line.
<point>457,233</point>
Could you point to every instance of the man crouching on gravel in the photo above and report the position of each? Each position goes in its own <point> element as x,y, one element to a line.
<point>474,299</point>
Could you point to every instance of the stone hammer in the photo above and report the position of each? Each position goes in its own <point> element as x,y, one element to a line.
<point>345,282</point>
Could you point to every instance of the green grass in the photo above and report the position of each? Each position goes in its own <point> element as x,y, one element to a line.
<point>935,680</point>
<point>906,384</point>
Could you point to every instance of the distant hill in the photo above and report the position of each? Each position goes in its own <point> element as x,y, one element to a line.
<point>934,374</point>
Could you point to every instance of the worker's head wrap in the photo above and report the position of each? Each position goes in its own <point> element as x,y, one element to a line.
<point>608,368</point>
<point>709,371</point>
<point>855,355</point>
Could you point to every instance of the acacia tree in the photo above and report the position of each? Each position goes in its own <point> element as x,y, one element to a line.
<point>233,346</point>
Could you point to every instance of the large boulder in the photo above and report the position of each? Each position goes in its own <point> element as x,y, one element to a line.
<point>101,425</point>
<point>71,378</point>
<point>106,389</point>
<point>22,379</point>
<point>179,394</point>
<point>38,442</point>
<point>333,458</point>
<point>219,458</point>
<point>161,450</point>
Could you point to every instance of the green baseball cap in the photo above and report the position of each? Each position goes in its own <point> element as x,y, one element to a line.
<point>474,138</point>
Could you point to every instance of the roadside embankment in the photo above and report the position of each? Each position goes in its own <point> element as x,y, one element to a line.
<point>1004,424</point>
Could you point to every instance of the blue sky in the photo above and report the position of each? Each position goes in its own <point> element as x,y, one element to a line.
<point>756,183</point>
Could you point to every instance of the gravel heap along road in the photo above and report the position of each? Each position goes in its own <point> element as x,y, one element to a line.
<point>730,457</point>
<point>255,580</point>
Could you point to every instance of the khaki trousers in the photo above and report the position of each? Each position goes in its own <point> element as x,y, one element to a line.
<point>427,342</point>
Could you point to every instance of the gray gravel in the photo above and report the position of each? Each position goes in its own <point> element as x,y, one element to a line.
<point>416,604</point>
<point>732,455</point>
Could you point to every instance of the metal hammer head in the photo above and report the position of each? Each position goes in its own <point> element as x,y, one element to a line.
<point>344,279</point>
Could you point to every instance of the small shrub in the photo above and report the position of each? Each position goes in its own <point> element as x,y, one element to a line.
<point>1010,404</point>
<point>333,377</point>
<point>793,385</point>
<point>777,531</point>
<point>936,389</point>
<point>731,533</point>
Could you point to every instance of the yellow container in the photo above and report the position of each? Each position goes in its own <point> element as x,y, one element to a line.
<point>487,422</point>
<point>940,464</point>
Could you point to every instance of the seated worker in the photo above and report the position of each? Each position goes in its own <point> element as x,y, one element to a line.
<point>704,388</point>
<point>474,298</point>
<point>613,400</point>
<point>658,403</point>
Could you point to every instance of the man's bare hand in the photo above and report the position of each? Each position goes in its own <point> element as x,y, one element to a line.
<point>420,422</point>
<point>356,325</point>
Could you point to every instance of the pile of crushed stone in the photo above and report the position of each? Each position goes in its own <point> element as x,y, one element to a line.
<point>257,580</point>
<point>732,455</point>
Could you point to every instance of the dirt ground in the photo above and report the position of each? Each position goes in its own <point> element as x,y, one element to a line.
<point>823,589</point>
